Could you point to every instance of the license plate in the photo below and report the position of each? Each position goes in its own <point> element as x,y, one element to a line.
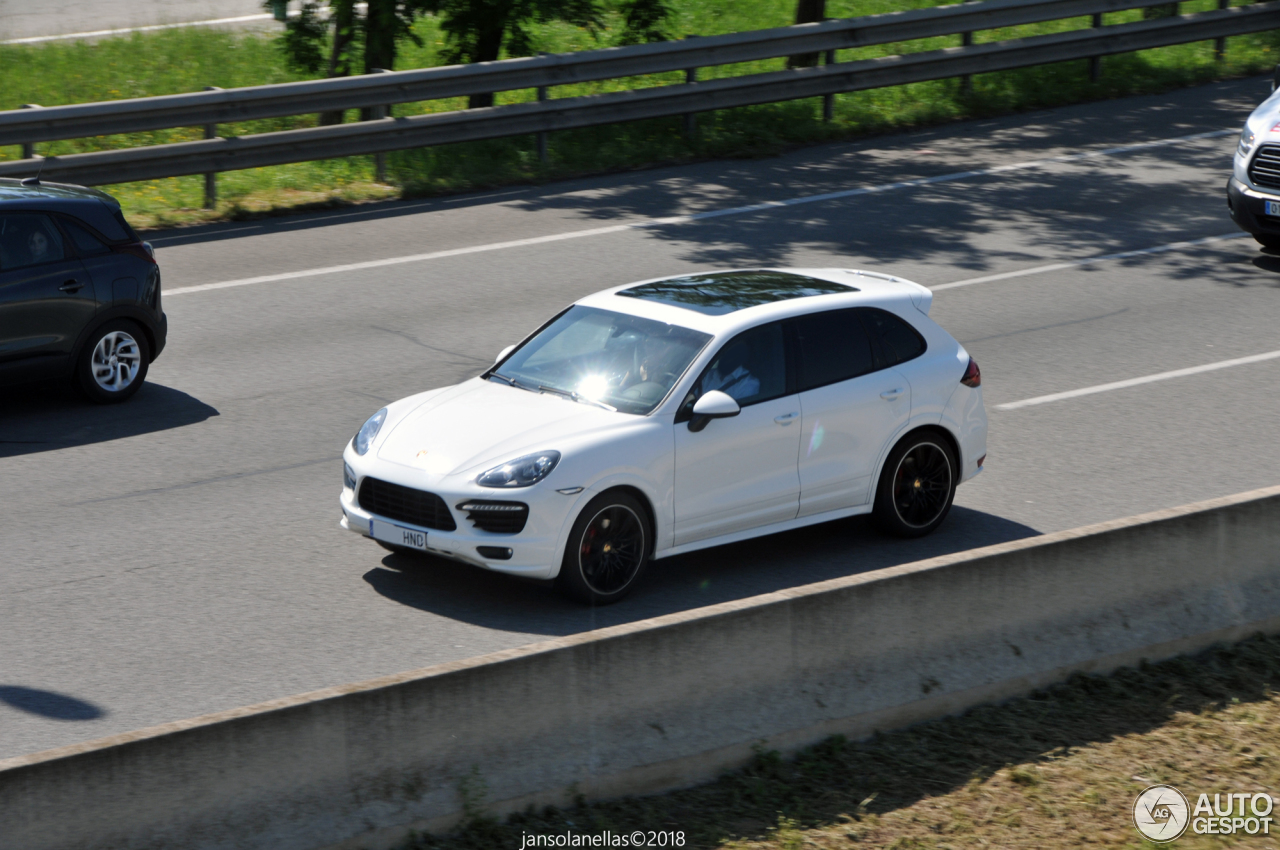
<point>1273,208</point>
<point>399,535</point>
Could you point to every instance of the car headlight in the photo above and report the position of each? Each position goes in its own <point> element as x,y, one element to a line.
<point>348,476</point>
<point>521,472</point>
<point>369,430</point>
<point>1247,138</point>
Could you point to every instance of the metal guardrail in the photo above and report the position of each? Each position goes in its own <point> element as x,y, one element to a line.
<point>387,134</point>
<point>245,104</point>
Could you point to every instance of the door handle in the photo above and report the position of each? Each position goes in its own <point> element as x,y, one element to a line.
<point>890,395</point>
<point>786,418</point>
<point>72,285</point>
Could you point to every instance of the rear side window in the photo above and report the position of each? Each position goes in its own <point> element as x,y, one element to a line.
<point>28,239</point>
<point>127,232</point>
<point>893,340</point>
<point>86,243</point>
<point>833,347</point>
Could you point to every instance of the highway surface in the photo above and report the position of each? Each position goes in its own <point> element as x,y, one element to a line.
<point>181,554</point>
<point>22,19</point>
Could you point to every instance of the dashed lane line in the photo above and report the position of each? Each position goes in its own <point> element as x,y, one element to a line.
<point>702,216</point>
<point>1088,261</point>
<point>1133,382</point>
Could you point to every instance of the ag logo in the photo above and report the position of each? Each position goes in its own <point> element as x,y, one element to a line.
<point>1161,813</point>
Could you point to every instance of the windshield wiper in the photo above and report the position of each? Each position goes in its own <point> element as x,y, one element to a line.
<point>512,381</point>
<point>576,397</point>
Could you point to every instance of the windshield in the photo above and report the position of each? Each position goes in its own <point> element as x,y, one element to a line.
<point>601,357</point>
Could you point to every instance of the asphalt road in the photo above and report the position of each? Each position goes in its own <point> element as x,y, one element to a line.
<point>21,19</point>
<point>180,554</point>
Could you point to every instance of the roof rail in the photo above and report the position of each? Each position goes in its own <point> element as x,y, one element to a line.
<point>887,277</point>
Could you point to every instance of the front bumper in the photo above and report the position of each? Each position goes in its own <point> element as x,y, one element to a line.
<point>535,551</point>
<point>1248,208</point>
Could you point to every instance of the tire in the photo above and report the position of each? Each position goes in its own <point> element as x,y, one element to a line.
<point>917,486</point>
<point>609,545</point>
<point>1267,240</point>
<point>113,363</point>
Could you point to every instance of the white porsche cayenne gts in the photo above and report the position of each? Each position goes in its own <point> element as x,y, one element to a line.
<point>671,415</point>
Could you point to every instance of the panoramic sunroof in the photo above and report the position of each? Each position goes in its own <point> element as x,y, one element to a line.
<point>724,292</point>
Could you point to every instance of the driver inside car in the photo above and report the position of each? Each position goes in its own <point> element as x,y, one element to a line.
<point>651,374</point>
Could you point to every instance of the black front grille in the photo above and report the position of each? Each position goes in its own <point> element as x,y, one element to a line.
<point>498,517</point>
<point>1265,168</point>
<point>416,507</point>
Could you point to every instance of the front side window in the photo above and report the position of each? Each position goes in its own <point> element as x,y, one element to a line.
<point>621,361</point>
<point>750,368</point>
<point>833,347</point>
<point>28,239</point>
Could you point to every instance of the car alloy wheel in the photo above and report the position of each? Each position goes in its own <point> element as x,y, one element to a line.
<point>113,362</point>
<point>922,485</point>
<point>608,547</point>
<point>916,487</point>
<point>116,361</point>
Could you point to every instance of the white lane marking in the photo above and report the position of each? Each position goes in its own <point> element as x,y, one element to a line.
<point>240,19</point>
<point>1072,264</point>
<point>1133,382</point>
<point>692,217</point>
<point>395,261</point>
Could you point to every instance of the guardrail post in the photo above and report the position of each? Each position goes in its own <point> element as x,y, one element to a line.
<point>542,135</point>
<point>211,177</point>
<point>377,112</point>
<point>829,100</point>
<point>1095,62</point>
<point>691,119</point>
<point>29,148</point>
<point>966,81</point>
<point>1220,45</point>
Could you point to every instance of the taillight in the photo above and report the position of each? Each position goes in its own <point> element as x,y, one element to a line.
<point>141,250</point>
<point>972,375</point>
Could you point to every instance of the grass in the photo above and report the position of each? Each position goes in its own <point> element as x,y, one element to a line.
<point>1061,767</point>
<point>188,59</point>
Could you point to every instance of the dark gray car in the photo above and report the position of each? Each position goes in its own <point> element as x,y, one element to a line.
<point>79,291</point>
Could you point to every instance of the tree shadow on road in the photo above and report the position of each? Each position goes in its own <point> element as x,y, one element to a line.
<point>736,571</point>
<point>1088,207</point>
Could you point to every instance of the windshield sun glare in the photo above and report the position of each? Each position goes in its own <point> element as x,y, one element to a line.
<point>614,359</point>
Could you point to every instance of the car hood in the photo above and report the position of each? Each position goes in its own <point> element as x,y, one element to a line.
<point>482,422</point>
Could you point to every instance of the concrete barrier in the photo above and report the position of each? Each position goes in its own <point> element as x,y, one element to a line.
<point>665,702</point>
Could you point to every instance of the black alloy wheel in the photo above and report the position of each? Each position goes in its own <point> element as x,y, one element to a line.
<point>916,487</point>
<point>608,547</point>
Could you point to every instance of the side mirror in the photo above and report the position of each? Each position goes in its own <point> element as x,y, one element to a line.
<point>504,352</point>
<point>712,405</point>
